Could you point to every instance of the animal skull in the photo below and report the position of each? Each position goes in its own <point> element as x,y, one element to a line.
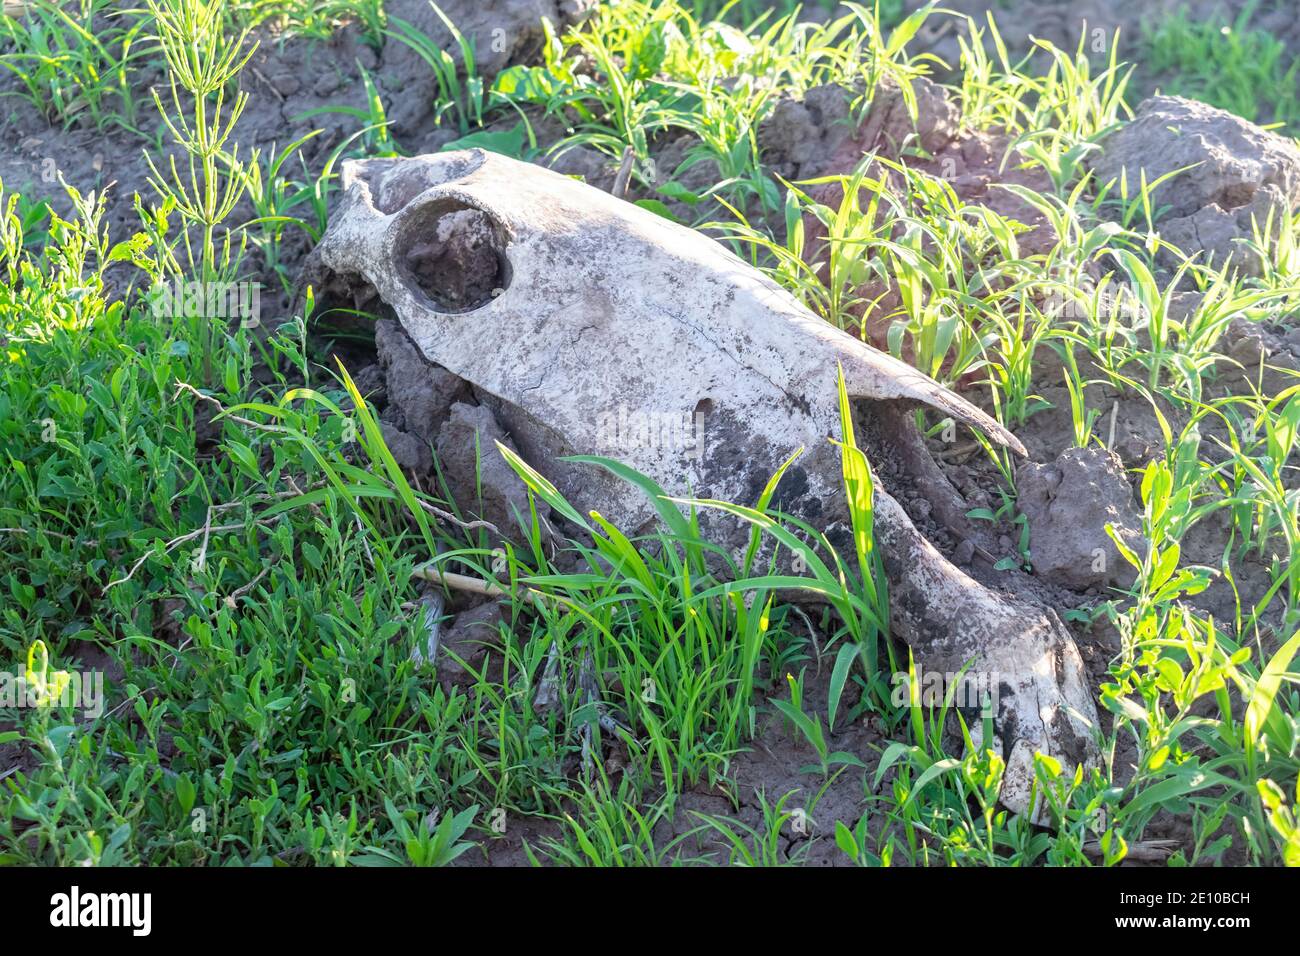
<point>589,324</point>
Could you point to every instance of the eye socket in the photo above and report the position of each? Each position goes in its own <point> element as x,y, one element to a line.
<point>455,254</point>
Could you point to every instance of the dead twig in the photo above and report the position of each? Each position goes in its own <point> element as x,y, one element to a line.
<point>448,516</point>
<point>624,176</point>
<point>1147,851</point>
<point>460,582</point>
<point>465,582</point>
<point>246,422</point>
<point>232,599</point>
<point>52,534</point>
<point>958,451</point>
<point>208,529</point>
<point>267,83</point>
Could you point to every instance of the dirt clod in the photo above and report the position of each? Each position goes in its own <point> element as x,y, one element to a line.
<point>808,136</point>
<point>419,393</point>
<point>501,33</point>
<point>1239,171</point>
<point>411,454</point>
<point>480,480</point>
<point>1068,505</point>
<point>466,642</point>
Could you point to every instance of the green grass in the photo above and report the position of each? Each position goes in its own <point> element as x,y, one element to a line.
<point>255,596</point>
<point>1230,65</point>
<point>78,58</point>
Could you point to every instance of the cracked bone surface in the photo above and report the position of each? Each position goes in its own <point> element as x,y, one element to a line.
<point>592,326</point>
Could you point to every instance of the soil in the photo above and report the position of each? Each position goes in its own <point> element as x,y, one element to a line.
<point>777,762</point>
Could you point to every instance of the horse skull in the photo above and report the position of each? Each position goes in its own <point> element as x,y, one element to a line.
<point>573,312</point>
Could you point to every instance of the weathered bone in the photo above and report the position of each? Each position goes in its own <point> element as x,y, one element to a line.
<point>589,323</point>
